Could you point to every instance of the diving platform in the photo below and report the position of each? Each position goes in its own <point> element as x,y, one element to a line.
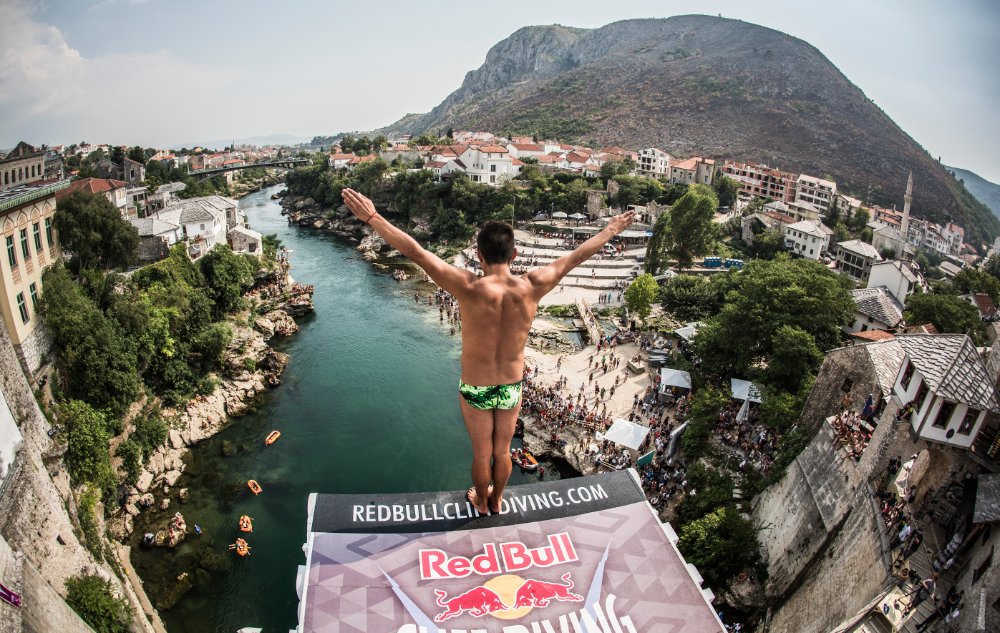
<point>582,555</point>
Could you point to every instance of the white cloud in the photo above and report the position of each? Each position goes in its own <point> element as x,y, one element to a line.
<point>48,89</point>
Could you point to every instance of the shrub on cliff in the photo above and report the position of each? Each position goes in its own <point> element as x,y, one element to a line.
<point>721,544</point>
<point>95,601</point>
<point>93,231</point>
<point>87,435</point>
<point>227,277</point>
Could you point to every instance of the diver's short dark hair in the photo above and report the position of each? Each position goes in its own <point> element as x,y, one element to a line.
<point>496,242</point>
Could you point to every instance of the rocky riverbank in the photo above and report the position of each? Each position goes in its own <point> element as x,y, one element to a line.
<point>250,367</point>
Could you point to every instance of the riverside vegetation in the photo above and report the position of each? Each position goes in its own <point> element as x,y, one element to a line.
<point>124,346</point>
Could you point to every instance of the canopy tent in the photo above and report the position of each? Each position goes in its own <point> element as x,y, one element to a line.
<point>540,216</point>
<point>635,234</point>
<point>560,215</point>
<point>674,378</point>
<point>688,331</point>
<point>586,229</point>
<point>578,216</point>
<point>626,433</point>
<point>745,390</point>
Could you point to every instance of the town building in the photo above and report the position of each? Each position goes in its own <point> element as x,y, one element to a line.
<point>489,164</point>
<point>846,204</point>
<point>245,241</point>
<point>945,388</point>
<point>875,309</point>
<point>856,258</point>
<point>894,275</point>
<point>691,171</point>
<point>133,171</point>
<point>944,240</point>
<point>203,222</point>
<point>24,164</point>
<point>761,181</point>
<point>116,191</point>
<point>756,223</point>
<point>807,238</point>
<point>27,211</point>
<point>525,150</point>
<point>653,163</point>
<point>815,191</point>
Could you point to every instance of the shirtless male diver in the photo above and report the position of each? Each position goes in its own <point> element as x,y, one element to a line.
<point>497,310</point>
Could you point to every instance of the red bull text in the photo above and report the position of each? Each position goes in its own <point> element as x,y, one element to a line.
<point>436,564</point>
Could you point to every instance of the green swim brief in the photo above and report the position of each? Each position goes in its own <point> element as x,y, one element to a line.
<point>491,396</point>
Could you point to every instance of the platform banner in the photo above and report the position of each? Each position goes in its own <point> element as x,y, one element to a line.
<point>583,555</point>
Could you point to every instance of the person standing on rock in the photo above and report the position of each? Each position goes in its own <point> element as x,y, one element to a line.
<point>496,314</point>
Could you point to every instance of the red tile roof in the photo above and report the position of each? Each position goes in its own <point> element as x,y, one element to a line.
<point>341,156</point>
<point>527,147</point>
<point>873,335</point>
<point>985,304</point>
<point>575,157</point>
<point>515,161</point>
<point>93,185</point>
<point>493,149</point>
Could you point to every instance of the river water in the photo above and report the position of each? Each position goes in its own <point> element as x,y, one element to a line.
<point>368,404</point>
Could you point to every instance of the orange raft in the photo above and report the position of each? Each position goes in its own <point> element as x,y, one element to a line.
<point>241,547</point>
<point>255,487</point>
<point>246,524</point>
<point>272,437</point>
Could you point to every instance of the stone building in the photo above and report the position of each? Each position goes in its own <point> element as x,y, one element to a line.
<point>26,213</point>
<point>875,309</point>
<point>23,165</point>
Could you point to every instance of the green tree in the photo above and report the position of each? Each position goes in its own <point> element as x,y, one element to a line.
<point>690,231</point>
<point>228,276</point>
<point>95,600</point>
<point>640,295</point>
<point>705,408</point>
<point>673,193</point>
<point>948,313</point>
<point>765,296</point>
<point>450,224</point>
<point>690,298</point>
<point>720,544</point>
<point>794,357</point>
<point>137,154</point>
<point>992,265</point>
<point>87,456</point>
<point>714,490</point>
<point>860,220</point>
<point>725,189</point>
<point>971,280</point>
<point>767,244</point>
<point>97,363</point>
<point>93,231</point>
<point>654,261</point>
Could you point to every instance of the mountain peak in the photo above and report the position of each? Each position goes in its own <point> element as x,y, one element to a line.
<point>702,85</point>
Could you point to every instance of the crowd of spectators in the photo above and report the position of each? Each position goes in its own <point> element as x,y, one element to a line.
<point>853,432</point>
<point>752,443</point>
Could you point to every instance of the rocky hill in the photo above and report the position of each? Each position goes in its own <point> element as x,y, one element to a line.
<point>700,85</point>
<point>985,191</point>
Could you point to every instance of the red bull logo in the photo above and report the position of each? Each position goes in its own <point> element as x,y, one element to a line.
<point>506,597</point>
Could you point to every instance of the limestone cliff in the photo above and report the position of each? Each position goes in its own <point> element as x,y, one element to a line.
<point>38,522</point>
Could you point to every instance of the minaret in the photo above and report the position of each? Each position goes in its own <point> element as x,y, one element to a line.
<point>907,199</point>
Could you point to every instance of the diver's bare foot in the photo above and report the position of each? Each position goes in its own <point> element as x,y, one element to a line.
<point>472,497</point>
<point>495,501</point>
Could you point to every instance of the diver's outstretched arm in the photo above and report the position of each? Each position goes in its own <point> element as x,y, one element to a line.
<point>454,280</point>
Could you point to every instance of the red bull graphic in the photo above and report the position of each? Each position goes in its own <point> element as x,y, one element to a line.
<point>538,593</point>
<point>506,597</point>
<point>478,601</point>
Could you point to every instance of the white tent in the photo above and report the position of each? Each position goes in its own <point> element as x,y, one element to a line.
<point>578,216</point>
<point>560,215</point>
<point>626,433</point>
<point>688,331</point>
<point>674,378</point>
<point>745,390</point>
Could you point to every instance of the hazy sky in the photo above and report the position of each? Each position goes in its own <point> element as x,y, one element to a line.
<point>160,72</point>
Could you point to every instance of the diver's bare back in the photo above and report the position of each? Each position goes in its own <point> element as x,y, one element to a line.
<point>497,312</point>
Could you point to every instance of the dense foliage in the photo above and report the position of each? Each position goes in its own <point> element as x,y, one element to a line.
<point>690,231</point>
<point>948,312</point>
<point>94,599</point>
<point>641,294</point>
<point>767,302</point>
<point>691,298</point>
<point>87,434</point>
<point>720,544</point>
<point>93,232</point>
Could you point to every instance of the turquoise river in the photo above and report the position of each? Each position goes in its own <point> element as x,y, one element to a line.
<point>368,404</point>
